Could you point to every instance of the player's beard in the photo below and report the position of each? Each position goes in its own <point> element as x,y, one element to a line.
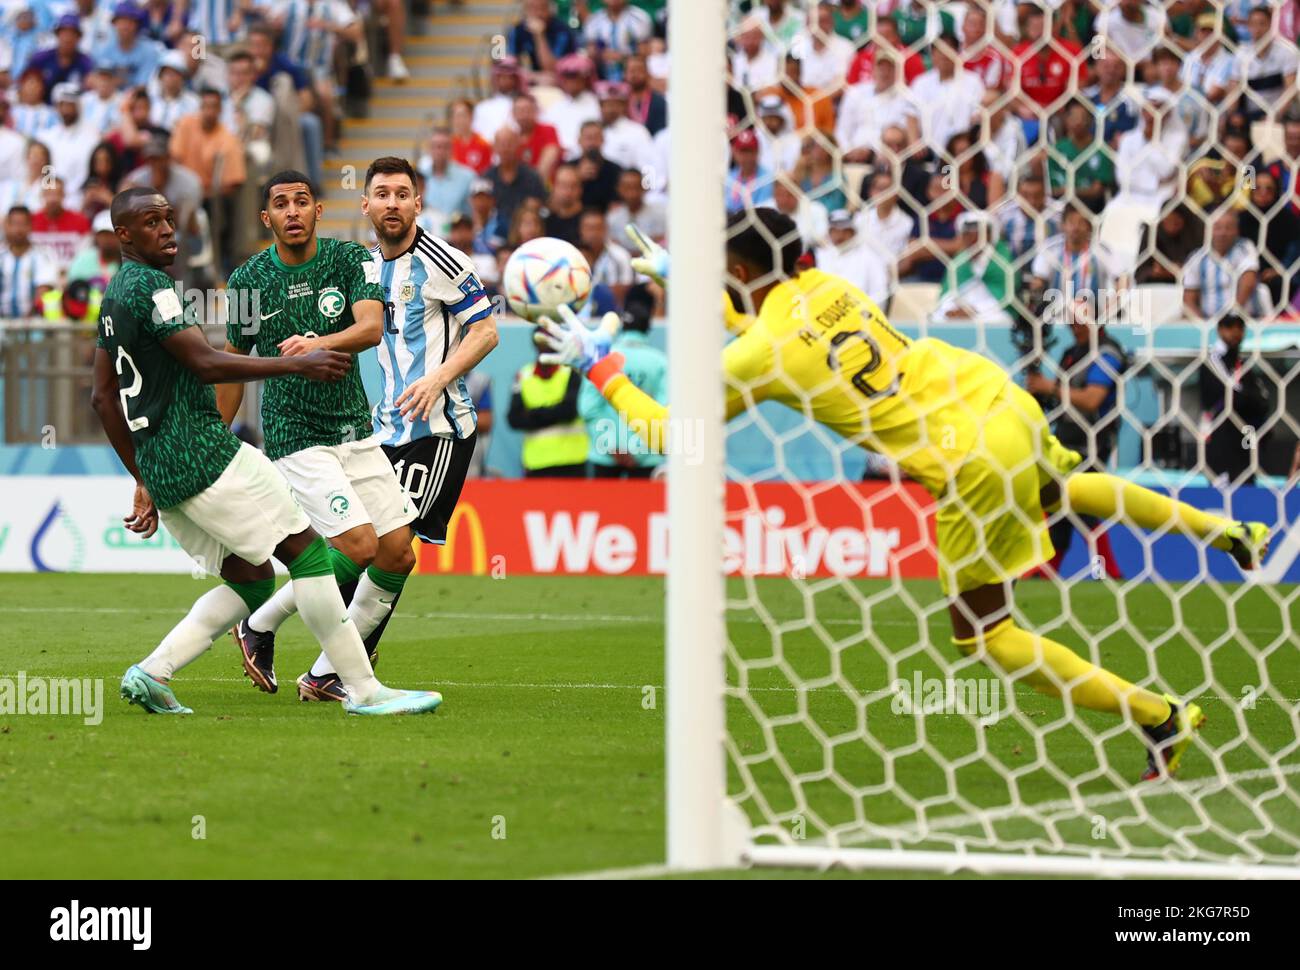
<point>386,234</point>
<point>307,240</point>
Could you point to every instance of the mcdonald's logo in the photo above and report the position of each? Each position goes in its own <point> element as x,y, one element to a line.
<point>478,542</point>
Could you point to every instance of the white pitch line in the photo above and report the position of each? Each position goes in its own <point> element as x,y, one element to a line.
<point>650,871</point>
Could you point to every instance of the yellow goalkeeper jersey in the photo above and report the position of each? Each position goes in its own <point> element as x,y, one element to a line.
<point>821,346</point>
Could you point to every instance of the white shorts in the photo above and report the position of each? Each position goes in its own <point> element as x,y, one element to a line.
<point>246,512</point>
<point>343,486</point>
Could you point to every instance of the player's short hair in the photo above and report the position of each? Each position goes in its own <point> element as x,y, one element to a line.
<point>389,165</point>
<point>766,240</point>
<point>638,308</point>
<point>288,176</point>
<point>125,200</point>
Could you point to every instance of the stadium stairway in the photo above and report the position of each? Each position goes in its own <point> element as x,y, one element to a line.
<point>447,51</point>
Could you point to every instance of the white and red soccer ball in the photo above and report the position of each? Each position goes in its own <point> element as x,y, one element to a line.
<point>544,273</point>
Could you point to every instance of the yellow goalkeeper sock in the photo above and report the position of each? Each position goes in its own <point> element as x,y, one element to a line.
<point>1045,664</point>
<point>1108,496</point>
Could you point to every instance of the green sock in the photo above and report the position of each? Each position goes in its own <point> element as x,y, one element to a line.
<point>389,582</point>
<point>253,594</point>
<point>312,561</point>
<point>345,570</point>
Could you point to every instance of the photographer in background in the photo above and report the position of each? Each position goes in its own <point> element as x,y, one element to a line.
<point>1235,402</point>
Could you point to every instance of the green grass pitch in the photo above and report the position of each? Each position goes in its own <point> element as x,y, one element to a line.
<point>551,733</point>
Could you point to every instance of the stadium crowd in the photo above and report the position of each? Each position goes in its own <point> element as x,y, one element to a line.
<point>194,97</point>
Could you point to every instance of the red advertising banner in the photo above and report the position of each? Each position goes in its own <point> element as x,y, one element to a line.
<point>567,527</point>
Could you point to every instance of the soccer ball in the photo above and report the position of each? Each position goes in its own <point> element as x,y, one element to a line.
<point>544,273</point>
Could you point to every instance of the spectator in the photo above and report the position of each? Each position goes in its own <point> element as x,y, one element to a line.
<point>70,142</point>
<point>544,406</point>
<point>779,148</point>
<point>202,144</point>
<point>1110,96</point>
<point>645,105</point>
<point>810,107</point>
<point>1133,27</point>
<point>978,55</point>
<point>24,38</point>
<point>204,68</point>
<point>882,222</point>
<point>134,130</point>
<point>526,226</point>
<point>1283,169</point>
<point>810,218</point>
<point>1212,182</point>
<point>132,57</point>
<point>853,20</point>
<point>1025,222</point>
<point>576,105</point>
<point>63,62</point>
<point>1042,71</point>
<point>468,147</point>
<point>826,55</point>
<point>1221,277</point>
<point>781,23</point>
<point>394,12</point>
<point>446,181</point>
<point>1235,405</point>
<point>172,101</point>
<point>846,255</point>
<point>541,144</point>
<point>1210,68</point>
<point>626,143</point>
<point>182,189</point>
<point>495,111</point>
<point>650,216</point>
<point>1149,158</point>
<point>460,235</point>
<point>270,64</point>
<point>1078,165</point>
<point>564,209</point>
<point>1188,106</point>
<point>885,42</point>
<point>1178,235</point>
<point>1086,399</point>
<point>106,173</point>
<point>248,111</point>
<point>869,108</point>
<point>616,31</point>
<point>1004,145</point>
<point>163,22</point>
<point>980,282</point>
<point>512,181</point>
<point>31,116</point>
<point>948,98</point>
<point>613,450</point>
<point>310,32</point>
<point>488,233</point>
<point>978,185</point>
<point>610,265</point>
<point>1072,266</point>
<point>540,38</point>
<point>748,184</point>
<point>25,188</point>
<point>101,104</point>
<point>754,65</point>
<point>1267,66</point>
<point>919,22</point>
<point>58,230</point>
<point>820,178</point>
<point>26,272</point>
<point>599,175</point>
<point>13,146</point>
<point>1277,237</point>
<point>100,259</point>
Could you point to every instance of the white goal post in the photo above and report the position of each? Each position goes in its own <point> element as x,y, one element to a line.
<point>737,797</point>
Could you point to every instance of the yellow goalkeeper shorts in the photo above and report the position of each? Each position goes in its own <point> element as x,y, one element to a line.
<point>989,525</point>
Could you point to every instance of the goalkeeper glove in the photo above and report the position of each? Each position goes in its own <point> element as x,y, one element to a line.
<point>572,343</point>
<point>653,261</point>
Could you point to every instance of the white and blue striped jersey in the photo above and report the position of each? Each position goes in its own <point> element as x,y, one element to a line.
<point>431,295</point>
<point>211,19</point>
<point>100,114</point>
<point>1216,276</point>
<point>312,49</point>
<point>29,120</point>
<point>165,112</point>
<point>19,278</point>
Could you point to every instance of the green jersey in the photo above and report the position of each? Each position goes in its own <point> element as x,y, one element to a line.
<point>181,444</point>
<point>270,302</point>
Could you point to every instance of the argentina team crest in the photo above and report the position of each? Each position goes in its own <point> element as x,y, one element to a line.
<point>330,303</point>
<point>407,292</point>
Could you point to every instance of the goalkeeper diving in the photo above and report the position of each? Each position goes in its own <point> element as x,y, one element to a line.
<point>953,421</point>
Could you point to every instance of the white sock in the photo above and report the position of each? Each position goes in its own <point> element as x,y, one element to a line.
<point>275,611</point>
<point>322,610</point>
<point>212,614</point>
<point>370,604</point>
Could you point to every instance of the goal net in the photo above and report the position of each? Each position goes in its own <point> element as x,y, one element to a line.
<point>1103,206</point>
